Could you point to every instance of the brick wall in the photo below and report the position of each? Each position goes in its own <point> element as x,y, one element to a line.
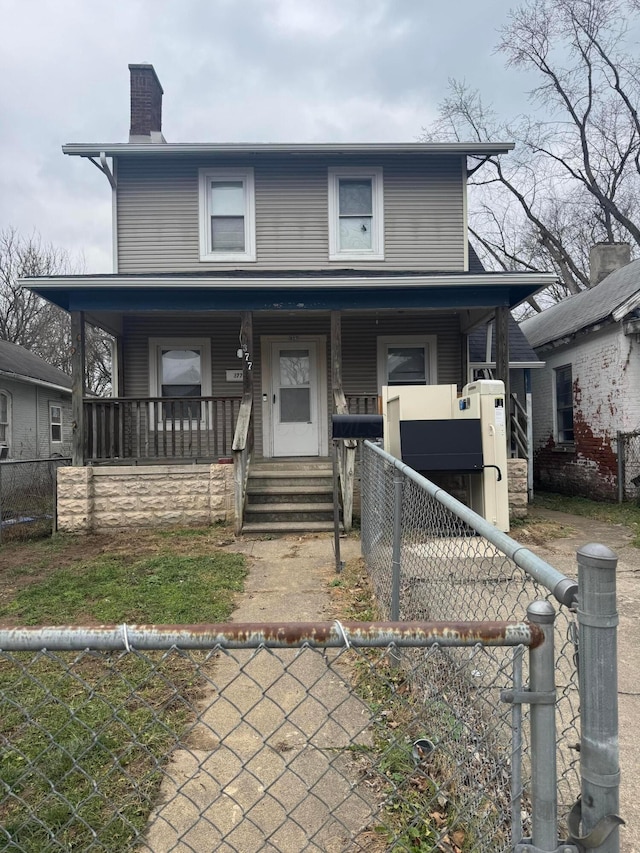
<point>605,373</point>
<point>138,496</point>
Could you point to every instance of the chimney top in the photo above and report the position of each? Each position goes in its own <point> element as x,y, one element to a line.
<point>605,258</point>
<point>146,104</point>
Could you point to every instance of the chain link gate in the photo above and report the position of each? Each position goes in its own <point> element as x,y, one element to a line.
<point>325,736</point>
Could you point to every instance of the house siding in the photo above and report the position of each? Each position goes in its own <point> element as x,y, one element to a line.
<point>359,348</point>
<point>29,419</point>
<point>157,213</point>
<point>605,374</point>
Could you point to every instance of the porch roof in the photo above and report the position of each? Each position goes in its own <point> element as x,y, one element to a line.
<point>243,290</point>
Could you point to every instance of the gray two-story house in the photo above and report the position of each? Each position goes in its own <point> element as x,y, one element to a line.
<point>257,289</point>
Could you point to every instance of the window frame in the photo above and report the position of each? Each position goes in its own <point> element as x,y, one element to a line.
<point>156,345</point>
<point>375,174</point>
<point>205,178</point>
<point>6,441</point>
<point>558,431</point>
<point>430,344</point>
<point>53,405</point>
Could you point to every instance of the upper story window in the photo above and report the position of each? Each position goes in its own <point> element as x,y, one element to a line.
<point>356,214</point>
<point>5,415</point>
<point>227,215</point>
<point>564,404</point>
<point>55,423</point>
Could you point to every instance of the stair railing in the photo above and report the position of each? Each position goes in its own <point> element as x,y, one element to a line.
<point>519,428</point>
<point>242,449</point>
<point>346,454</point>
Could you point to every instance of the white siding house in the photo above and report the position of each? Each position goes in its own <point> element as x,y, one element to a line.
<point>35,406</point>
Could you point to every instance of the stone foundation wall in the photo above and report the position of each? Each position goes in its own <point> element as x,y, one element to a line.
<point>94,498</point>
<point>517,473</point>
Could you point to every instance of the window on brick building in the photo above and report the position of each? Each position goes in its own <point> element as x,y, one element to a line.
<point>564,404</point>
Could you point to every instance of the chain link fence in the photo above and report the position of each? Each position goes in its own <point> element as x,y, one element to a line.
<point>28,497</point>
<point>432,558</point>
<point>228,739</point>
<point>628,466</point>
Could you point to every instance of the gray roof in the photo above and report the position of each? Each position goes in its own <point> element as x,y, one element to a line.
<point>18,362</point>
<point>585,309</point>
<point>520,352</point>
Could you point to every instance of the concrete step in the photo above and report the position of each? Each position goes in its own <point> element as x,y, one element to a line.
<point>286,527</point>
<point>289,512</point>
<point>288,494</point>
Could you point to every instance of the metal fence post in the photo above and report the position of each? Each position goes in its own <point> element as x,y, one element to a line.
<point>598,676</point>
<point>621,449</point>
<point>397,546</point>
<point>544,786</point>
<point>1,503</point>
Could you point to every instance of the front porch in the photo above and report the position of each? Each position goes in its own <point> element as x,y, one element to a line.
<point>209,369</point>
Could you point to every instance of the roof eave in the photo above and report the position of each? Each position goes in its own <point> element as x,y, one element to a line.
<point>32,380</point>
<point>119,149</point>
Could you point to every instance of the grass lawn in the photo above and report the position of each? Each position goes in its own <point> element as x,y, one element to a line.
<point>84,736</point>
<point>627,513</point>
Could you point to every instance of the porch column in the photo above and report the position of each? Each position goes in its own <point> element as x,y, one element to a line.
<point>336,353</point>
<point>118,374</point>
<point>502,362</point>
<point>246,343</point>
<point>77,387</point>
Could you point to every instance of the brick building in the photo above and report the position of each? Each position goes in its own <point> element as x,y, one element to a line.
<point>588,389</point>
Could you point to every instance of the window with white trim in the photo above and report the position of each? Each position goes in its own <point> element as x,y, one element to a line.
<point>5,418</point>
<point>407,360</point>
<point>564,404</point>
<point>180,371</point>
<point>356,214</point>
<point>55,423</point>
<point>227,215</point>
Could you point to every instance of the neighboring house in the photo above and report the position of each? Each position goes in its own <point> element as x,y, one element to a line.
<point>35,406</point>
<point>257,289</point>
<point>588,389</point>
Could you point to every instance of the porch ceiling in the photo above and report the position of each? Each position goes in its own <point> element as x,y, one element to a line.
<point>293,291</point>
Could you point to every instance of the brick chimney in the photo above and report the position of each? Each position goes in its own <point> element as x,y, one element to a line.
<point>146,105</point>
<point>605,258</point>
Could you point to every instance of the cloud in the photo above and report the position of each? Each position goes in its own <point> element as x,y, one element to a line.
<point>232,70</point>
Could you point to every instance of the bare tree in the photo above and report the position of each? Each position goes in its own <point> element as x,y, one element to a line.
<point>574,178</point>
<point>37,325</point>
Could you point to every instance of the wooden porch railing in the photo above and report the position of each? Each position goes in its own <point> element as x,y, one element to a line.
<point>242,450</point>
<point>361,404</point>
<point>159,427</point>
<point>519,428</point>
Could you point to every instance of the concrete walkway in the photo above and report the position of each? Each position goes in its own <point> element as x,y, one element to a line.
<point>268,766</point>
<point>275,769</point>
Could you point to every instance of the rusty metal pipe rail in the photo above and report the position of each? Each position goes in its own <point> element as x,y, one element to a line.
<point>272,635</point>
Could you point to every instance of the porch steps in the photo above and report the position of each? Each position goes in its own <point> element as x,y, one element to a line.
<point>289,496</point>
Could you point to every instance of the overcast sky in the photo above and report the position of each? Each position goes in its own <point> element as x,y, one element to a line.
<point>232,71</point>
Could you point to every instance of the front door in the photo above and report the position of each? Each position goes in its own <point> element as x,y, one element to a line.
<point>294,402</point>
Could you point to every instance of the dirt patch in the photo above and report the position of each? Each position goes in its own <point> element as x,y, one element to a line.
<point>538,530</point>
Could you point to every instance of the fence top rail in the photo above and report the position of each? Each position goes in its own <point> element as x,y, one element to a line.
<point>564,589</point>
<point>101,401</point>
<point>272,635</point>
<point>59,459</point>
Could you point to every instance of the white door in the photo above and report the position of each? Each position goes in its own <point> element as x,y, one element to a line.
<point>294,399</point>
